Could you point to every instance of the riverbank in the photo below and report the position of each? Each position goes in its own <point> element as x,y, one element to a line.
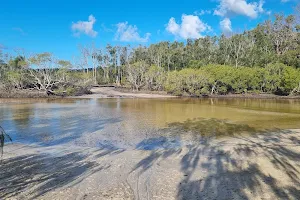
<point>94,92</point>
<point>115,92</point>
<point>264,166</point>
<point>24,93</point>
<point>33,93</point>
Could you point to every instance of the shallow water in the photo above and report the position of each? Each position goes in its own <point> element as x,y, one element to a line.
<point>141,123</point>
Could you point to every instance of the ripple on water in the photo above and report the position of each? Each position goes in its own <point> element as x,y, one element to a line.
<point>144,124</point>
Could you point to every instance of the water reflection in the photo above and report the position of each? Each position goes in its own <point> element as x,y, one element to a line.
<point>258,113</point>
<point>212,127</point>
<point>141,123</point>
<point>52,123</point>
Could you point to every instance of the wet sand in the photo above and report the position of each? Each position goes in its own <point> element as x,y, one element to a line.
<point>150,149</point>
<point>265,166</point>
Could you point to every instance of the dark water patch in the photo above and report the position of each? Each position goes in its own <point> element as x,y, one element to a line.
<point>159,143</point>
<point>212,128</point>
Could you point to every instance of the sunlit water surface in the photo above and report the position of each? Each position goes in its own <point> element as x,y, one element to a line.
<point>141,123</point>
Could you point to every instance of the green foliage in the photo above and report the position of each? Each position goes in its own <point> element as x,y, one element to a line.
<point>136,74</point>
<point>273,77</point>
<point>41,59</point>
<point>155,78</point>
<point>174,83</point>
<point>188,81</point>
<point>64,64</point>
<point>220,79</point>
<point>291,80</point>
<point>291,58</point>
<point>14,78</point>
<point>195,64</point>
<point>79,78</point>
<point>17,63</point>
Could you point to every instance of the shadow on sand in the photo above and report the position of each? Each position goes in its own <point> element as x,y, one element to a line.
<point>35,174</point>
<point>242,172</point>
<point>239,167</point>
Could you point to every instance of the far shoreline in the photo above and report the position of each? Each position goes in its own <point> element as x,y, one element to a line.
<point>105,92</point>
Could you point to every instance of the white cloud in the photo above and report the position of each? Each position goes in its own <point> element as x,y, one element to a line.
<point>225,25</point>
<point>260,6</point>
<point>173,27</point>
<point>191,27</point>
<point>85,27</point>
<point>239,7</point>
<point>129,33</point>
<point>202,12</point>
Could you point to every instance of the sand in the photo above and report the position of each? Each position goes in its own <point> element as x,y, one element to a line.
<point>110,92</point>
<point>265,166</point>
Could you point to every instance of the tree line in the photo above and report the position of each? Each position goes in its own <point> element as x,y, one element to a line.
<point>265,59</point>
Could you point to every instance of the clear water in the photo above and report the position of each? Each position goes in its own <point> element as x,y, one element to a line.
<point>141,123</point>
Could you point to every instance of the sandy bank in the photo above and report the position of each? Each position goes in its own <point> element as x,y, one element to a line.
<point>111,92</point>
<point>257,167</point>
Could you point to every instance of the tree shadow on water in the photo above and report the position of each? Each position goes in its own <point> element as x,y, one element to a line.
<point>160,147</point>
<point>36,174</point>
<point>212,127</point>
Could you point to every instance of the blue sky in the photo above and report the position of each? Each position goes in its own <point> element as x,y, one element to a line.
<point>60,26</point>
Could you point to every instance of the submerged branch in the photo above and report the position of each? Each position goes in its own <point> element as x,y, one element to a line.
<point>3,136</point>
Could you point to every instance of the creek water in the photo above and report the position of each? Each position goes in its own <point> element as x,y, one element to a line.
<point>142,123</point>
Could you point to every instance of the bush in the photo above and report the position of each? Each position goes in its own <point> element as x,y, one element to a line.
<point>155,78</point>
<point>275,78</point>
<point>194,82</point>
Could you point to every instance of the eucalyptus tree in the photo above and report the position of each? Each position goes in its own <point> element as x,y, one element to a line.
<point>2,66</point>
<point>124,60</point>
<point>112,53</point>
<point>178,59</point>
<point>84,58</point>
<point>238,48</point>
<point>281,32</point>
<point>206,49</point>
<point>263,51</point>
<point>136,74</point>
<point>224,50</point>
<point>44,72</point>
